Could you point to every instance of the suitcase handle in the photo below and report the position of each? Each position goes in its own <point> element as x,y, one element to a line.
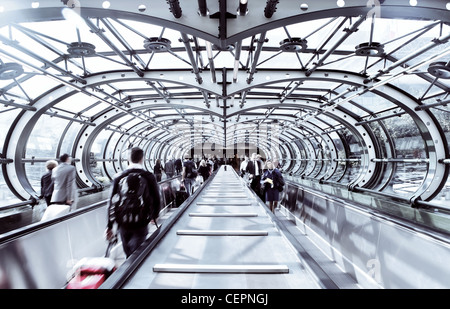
<point>111,244</point>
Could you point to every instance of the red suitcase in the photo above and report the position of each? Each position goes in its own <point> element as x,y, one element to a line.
<point>90,273</point>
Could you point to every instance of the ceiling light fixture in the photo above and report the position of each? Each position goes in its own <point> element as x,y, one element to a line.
<point>373,49</point>
<point>440,69</point>
<point>81,49</point>
<point>157,45</point>
<point>10,70</point>
<point>293,45</point>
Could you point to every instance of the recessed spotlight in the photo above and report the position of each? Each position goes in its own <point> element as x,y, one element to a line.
<point>106,4</point>
<point>413,2</point>
<point>34,4</point>
<point>340,3</point>
<point>142,8</point>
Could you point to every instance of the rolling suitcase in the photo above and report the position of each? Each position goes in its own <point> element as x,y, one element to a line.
<point>91,272</point>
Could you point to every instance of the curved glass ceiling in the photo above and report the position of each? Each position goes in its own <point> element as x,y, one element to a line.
<point>353,95</point>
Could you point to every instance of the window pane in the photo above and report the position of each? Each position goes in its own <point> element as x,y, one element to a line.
<point>44,138</point>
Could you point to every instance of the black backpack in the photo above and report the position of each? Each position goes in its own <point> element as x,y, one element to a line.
<point>132,198</point>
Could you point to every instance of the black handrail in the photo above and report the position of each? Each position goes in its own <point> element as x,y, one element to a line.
<point>31,202</point>
<point>9,236</point>
<point>17,233</point>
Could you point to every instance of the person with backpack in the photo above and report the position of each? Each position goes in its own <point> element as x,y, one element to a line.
<point>134,201</point>
<point>189,174</point>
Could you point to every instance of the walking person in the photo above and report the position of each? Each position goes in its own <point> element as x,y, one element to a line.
<point>273,183</point>
<point>189,174</point>
<point>178,166</point>
<point>169,168</point>
<point>47,184</point>
<point>204,170</point>
<point>254,169</point>
<point>134,201</point>
<point>243,166</point>
<point>65,186</point>
<point>158,169</point>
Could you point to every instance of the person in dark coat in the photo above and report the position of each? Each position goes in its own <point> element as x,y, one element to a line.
<point>273,183</point>
<point>254,169</point>
<point>204,170</point>
<point>178,166</point>
<point>47,184</point>
<point>158,169</point>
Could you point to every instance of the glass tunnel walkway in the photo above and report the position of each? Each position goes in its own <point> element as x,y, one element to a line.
<point>350,96</point>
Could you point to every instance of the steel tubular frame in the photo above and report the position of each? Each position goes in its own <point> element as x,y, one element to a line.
<point>430,130</point>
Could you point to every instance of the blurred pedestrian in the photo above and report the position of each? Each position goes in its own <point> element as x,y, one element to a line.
<point>47,184</point>
<point>158,169</point>
<point>189,174</point>
<point>169,168</point>
<point>134,201</point>
<point>65,186</point>
<point>273,183</point>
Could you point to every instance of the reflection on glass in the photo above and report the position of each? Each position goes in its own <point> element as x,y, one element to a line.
<point>409,145</point>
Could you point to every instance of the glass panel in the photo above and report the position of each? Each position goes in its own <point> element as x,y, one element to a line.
<point>77,102</point>
<point>7,116</point>
<point>408,145</point>
<point>302,157</point>
<point>341,166</point>
<point>97,151</point>
<point>353,168</point>
<point>69,138</point>
<point>443,116</point>
<point>34,172</point>
<point>386,152</point>
<point>6,196</point>
<point>44,138</point>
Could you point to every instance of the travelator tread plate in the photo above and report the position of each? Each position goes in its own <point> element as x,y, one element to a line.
<point>230,203</point>
<point>223,232</point>
<point>222,214</point>
<point>272,249</point>
<point>223,196</point>
<point>248,269</point>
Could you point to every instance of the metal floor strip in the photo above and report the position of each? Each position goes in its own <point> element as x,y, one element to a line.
<point>223,232</point>
<point>223,196</point>
<point>222,204</point>
<point>222,214</point>
<point>247,269</point>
